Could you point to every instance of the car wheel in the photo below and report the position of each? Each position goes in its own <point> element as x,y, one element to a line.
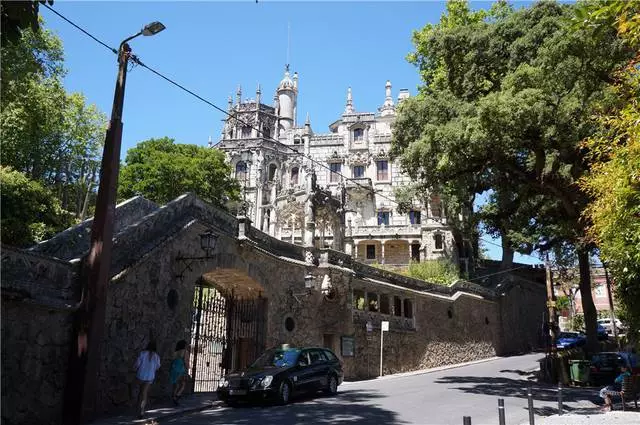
<point>284,395</point>
<point>332,385</point>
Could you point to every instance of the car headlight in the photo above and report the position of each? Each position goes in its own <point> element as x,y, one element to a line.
<point>267,380</point>
<point>223,384</point>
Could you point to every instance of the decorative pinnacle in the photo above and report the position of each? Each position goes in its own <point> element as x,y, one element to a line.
<point>349,107</point>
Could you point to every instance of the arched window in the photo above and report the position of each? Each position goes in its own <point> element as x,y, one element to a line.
<point>266,133</point>
<point>408,308</point>
<point>358,135</point>
<point>297,141</point>
<point>294,175</point>
<point>246,132</point>
<point>438,240</point>
<point>241,170</point>
<point>272,172</point>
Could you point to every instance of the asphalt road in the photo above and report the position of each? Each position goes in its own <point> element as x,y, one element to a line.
<point>440,397</point>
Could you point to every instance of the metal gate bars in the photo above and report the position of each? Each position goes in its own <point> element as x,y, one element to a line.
<point>227,334</point>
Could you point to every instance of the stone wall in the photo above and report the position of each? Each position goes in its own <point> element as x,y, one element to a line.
<point>160,254</point>
<point>440,331</point>
<point>37,305</point>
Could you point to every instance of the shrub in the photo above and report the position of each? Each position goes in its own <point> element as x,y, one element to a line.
<point>442,272</point>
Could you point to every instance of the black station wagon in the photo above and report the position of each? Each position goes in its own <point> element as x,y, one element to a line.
<point>280,373</point>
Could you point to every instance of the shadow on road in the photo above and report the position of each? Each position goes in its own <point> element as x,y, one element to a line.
<point>507,387</point>
<point>351,406</point>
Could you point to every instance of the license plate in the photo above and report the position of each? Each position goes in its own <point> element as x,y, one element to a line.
<point>237,392</point>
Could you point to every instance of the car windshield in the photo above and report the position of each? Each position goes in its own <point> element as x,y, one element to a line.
<point>277,358</point>
<point>568,335</point>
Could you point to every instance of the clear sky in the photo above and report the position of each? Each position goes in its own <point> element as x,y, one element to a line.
<point>212,47</point>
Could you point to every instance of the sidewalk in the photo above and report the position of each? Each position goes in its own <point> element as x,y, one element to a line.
<point>188,404</point>
<point>592,417</point>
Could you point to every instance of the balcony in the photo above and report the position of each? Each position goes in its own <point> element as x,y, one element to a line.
<point>402,230</point>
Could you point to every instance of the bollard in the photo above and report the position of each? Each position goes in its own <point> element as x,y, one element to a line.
<point>559,398</point>
<point>530,397</point>
<point>501,411</point>
<point>466,420</point>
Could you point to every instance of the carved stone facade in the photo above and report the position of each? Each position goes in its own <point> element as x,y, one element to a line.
<point>276,161</point>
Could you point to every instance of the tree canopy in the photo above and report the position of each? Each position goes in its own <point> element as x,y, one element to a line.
<point>162,170</point>
<point>30,212</point>
<point>51,136</point>
<point>613,180</point>
<point>507,98</point>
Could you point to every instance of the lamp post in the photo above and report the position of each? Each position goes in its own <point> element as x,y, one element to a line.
<point>84,364</point>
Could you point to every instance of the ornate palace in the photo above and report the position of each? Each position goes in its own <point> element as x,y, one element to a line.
<point>334,189</point>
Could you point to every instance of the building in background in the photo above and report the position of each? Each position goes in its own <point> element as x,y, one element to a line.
<point>340,185</point>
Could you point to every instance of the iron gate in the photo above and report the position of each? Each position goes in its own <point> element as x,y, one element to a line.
<point>228,334</point>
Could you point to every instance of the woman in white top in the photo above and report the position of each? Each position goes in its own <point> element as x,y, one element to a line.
<point>146,366</point>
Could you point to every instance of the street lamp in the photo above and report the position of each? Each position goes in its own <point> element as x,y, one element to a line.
<point>84,364</point>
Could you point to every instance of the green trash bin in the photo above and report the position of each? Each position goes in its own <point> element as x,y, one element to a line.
<point>580,371</point>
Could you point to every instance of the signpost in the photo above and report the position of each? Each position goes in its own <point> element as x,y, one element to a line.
<point>384,327</point>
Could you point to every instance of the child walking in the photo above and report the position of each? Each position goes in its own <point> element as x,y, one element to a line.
<point>147,364</point>
<point>178,374</point>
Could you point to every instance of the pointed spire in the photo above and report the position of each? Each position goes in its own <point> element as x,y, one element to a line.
<point>307,121</point>
<point>230,103</point>
<point>387,107</point>
<point>349,108</point>
<point>295,80</point>
<point>210,141</point>
<point>239,94</point>
<point>258,95</point>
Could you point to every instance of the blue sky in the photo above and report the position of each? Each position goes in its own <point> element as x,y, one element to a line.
<point>212,47</point>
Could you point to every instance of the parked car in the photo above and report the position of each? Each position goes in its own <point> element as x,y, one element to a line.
<point>605,366</point>
<point>606,323</point>
<point>279,374</point>
<point>570,340</point>
<point>602,333</point>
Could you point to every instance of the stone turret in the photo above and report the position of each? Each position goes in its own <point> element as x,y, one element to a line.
<point>287,93</point>
<point>387,108</point>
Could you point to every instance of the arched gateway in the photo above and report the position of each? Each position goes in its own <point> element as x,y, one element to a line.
<point>228,326</point>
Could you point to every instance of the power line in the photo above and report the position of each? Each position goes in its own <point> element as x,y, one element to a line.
<point>81,29</point>
<point>137,60</point>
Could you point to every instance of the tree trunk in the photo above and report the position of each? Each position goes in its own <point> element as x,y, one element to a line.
<point>588,307</point>
<point>507,253</point>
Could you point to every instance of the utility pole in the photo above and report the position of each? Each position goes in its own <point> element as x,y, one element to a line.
<point>86,346</point>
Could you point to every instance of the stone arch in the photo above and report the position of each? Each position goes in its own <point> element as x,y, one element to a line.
<point>225,266</point>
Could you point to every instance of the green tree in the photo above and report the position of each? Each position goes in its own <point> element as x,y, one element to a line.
<point>52,136</point>
<point>614,155</point>
<point>162,170</point>
<point>30,212</point>
<point>518,96</point>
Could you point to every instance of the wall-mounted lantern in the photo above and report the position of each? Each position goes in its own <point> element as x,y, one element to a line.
<point>208,241</point>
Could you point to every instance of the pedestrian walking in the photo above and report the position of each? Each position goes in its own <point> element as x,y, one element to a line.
<point>147,365</point>
<point>178,373</point>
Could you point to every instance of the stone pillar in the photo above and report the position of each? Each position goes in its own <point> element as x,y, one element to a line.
<point>244,225</point>
<point>381,252</point>
<point>258,218</point>
<point>348,247</point>
<point>272,222</point>
<point>410,249</point>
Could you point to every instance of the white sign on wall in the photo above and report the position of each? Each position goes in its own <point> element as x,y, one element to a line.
<point>384,325</point>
